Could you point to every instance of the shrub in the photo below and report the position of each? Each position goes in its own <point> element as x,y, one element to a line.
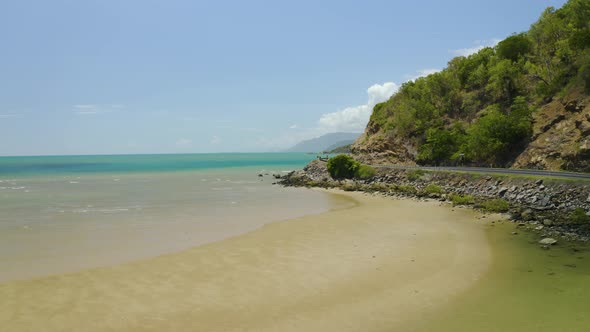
<point>352,186</point>
<point>342,167</point>
<point>496,205</point>
<point>365,172</point>
<point>579,216</point>
<point>462,199</point>
<point>415,174</point>
<point>378,187</point>
<point>434,189</point>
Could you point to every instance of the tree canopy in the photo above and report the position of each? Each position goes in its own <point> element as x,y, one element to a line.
<point>480,106</point>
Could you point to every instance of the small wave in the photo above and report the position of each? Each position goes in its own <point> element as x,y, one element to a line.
<point>112,210</point>
<point>74,182</point>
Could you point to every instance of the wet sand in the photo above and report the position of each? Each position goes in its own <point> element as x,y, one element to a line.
<point>380,265</point>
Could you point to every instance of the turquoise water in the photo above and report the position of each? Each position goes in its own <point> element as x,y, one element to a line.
<point>66,213</point>
<point>64,165</point>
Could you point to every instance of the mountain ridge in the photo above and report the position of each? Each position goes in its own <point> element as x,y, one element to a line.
<point>324,142</point>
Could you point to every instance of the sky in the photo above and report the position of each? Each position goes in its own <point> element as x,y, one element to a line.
<point>176,76</point>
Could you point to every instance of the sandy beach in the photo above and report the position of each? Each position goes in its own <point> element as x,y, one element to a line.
<point>377,266</point>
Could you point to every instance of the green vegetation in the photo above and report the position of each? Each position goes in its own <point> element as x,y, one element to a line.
<point>579,216</point>
<point>479,109</point>
<point>345,167</point>
<point>342,167</point>
<point>365,172</point>
<point>462,199</point>
<point>496,205</point>
<point>406,189</point>
<point>415,174</point>
<point>434,189</point>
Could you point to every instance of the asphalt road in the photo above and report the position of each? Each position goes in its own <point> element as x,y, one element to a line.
<point>571,175</point>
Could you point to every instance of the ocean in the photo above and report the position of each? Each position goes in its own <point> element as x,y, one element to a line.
<point>66,213</point>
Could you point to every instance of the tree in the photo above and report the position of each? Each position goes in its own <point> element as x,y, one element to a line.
<point>342,167</point>
<point>514,47</point>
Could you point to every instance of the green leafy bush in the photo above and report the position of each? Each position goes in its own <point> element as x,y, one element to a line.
<point>434,189</point>
<point>462,199</point>
<point>342,167</point>
<point>415,174</point>
<point>365,172</point>
<point>496,205</point>
<point>579,216</point>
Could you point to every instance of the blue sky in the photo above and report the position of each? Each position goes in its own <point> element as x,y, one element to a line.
<point>140,76</point>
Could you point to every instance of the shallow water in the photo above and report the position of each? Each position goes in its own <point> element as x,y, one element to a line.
<point>81,215</point>
<point>526,289</point>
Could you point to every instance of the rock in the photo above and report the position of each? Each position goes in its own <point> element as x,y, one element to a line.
<point>527,215</point>
<point>514,233</point>
<point>538,228</point>
<point>547,222</point>
<point>502,191</point>
<point>539,182</point>
<point>260,175</point>
<point>548,241</point>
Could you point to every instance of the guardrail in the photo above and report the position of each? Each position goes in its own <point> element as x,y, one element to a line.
<point>492,170</point>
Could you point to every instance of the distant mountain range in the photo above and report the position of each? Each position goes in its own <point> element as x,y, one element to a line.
<point>325,142</point>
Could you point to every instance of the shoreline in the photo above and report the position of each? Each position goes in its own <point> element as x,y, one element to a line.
<point>380,264</point>
<point>97,221</point>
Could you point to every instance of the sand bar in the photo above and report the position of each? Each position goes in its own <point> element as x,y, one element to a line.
<point>377,266</point>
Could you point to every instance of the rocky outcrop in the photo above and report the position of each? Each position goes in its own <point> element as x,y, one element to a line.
<point>545,204</point>
<point>561,136</point>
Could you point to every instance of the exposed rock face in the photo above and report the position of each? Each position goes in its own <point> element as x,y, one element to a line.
<point>375,148</point>
<point>561,138</point>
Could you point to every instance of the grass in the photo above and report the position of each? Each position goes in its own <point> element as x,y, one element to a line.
<point>579,216</point>
<point>365,172</point>
<point>406,189</point>
<point>434,189</point>
<point>415,174</point>
<point>462,199</point>
<point>496,205</point>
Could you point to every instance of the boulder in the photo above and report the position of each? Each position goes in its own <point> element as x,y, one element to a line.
<point>548,241</point>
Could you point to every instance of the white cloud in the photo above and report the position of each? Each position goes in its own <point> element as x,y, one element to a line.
<point>479,45</point>
<point>293,126</point>
<point>355,118</point>
<point>92,109</point>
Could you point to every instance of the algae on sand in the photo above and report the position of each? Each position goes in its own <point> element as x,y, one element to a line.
<point>526,289</point>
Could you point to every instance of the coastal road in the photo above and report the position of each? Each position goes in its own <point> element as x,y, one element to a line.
<point>506,171</point>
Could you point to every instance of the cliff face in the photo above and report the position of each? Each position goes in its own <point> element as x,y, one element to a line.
<point>561,136</point>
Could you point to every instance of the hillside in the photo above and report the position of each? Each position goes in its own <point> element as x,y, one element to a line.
<point>325,142</point>
<point>524,103</point>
